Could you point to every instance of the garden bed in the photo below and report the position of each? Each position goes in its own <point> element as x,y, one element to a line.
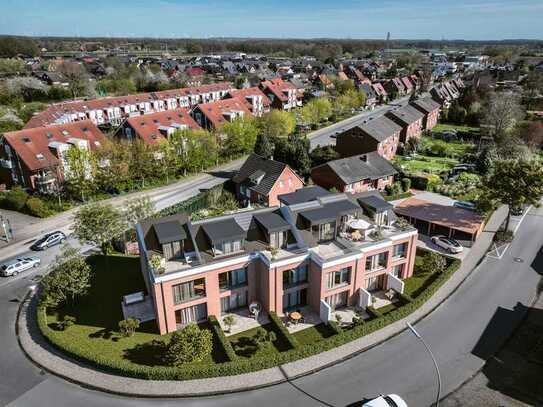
<point>95,340</point>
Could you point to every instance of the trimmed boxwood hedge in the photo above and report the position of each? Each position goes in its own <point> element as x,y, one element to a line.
<point>240,365</point>
<point>221,337</point>
<point>283,331</point>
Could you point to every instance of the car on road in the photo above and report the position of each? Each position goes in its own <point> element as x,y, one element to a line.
<point>451,245</point>
<point>49,240</point>
<point>391,400</point>
<point>14,267</point>
<point>465,205</point>
<point>517,211</point>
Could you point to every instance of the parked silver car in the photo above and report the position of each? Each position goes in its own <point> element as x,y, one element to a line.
<point>14,267</point>
<point>451,245</point>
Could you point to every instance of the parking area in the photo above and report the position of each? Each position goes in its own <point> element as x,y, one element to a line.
<point>425,242</point>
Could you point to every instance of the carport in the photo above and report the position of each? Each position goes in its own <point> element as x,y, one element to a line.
<point>436,219</point>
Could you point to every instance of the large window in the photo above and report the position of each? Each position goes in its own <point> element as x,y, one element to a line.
<point>227,247</point>
<point>233,279</point>
<point>295,299</point>
<point>187,315</point>
<point>399,250</point>
<point>278,239</point>
<point>377,261</point>
<point>338,300</point>
<point>338,278</point>
<point>295,276</point>
<point>324,231</point>
<point>189,291</point>
<point>397,270</point>
<point>234,301</point>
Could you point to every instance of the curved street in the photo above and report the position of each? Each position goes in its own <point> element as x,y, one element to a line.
<point>464,331</point>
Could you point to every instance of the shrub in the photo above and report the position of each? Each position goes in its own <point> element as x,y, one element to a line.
<point>190,344</point>
<point>15,199</point>
<point>433,263</point>
<point>225,344</point>
<point>406,184</point>
<point>67,321</point>
<point>433,182</point>
<point>503,236</point>
<point>128,326</point>
<point>334,326</point>
<point>36,207</point>
<point>404,298</point>
<point>229,321</point>
<point>283,332</point>
<point>373,312</point>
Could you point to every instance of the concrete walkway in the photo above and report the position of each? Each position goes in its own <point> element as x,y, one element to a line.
<point>50,359</point>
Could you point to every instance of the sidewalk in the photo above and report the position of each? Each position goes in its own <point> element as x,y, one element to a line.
<point>50,359</point>
<point>170,194</point>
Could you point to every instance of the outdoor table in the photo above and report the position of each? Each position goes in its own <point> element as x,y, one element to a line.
<point>295,316</point>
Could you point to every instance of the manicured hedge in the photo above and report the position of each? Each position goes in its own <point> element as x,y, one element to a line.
<point>241,365</point>
<point>283,331</point>
<point>334,326</point>
<point>404,298</point>
<point>221,337</point>
<point>373,312</point>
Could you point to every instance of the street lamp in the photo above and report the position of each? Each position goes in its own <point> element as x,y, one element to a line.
<point>419,337</point>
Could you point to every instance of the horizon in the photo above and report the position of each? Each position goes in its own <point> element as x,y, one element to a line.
<point>418,20</point>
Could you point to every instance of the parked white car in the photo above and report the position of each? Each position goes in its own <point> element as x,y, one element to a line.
<point>451,245</point>
<point>392,400</point>
<point>14,267</point>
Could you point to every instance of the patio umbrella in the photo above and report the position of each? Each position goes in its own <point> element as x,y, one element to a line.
<point>359,224</point>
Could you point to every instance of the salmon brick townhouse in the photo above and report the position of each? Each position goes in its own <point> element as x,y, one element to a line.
<point>324,254</point>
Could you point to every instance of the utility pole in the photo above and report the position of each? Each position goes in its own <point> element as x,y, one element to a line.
<point>419,337</point>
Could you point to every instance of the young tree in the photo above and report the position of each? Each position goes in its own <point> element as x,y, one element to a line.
<point>76,75</point>
<point>276,123</point>
<point>79,172</point>
<point>322,154</point>
<point>241,136</point>
<point>316,110</point>
<point>264,146</point>
<point>138,209</point>
<point>433,263</point>
<point>502,112</point>
<point>127,327</point>
<point>191,344</point>
<point>514,183</point>
<point>532,134</point>
<point>67,279</point>
<point>229,321</point>
<point>98,224</point>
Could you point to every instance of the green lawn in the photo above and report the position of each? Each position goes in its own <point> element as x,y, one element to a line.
<point>426,164</point>
<point>314,334</point>
<point>244,345</point>
<point>442,148</point>
<point>99,313</point>
<point>444,127</point>
<point>416,284</point>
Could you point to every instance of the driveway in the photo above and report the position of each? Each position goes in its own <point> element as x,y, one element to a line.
<point>425,242</point>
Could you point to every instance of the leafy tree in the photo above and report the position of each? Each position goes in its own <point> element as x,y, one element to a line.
<point>127,327</point>
<point>98,224</point>
<point>79,172</point>
<point>191,344</point>
<point>433,263</point>
<point>532,134</point>
<point>322,154</point>
<point>241,135</point>
<point>276,123</point>
<point>11,66</point>
<point>15,199</point>
<point>264,146</point>
<point>68,277</point>
<point>316,110</point>
<point>13,46</point>
<point>138,209</point>
<point>342,87</point>
<point>514,183</point>
<point>294,151</point>
<point>501,114</point>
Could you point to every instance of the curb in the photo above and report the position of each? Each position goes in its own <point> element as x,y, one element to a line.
<point>27,302</point>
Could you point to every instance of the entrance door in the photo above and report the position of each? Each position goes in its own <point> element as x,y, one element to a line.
<point>375,283</point>
<point>338,300</point>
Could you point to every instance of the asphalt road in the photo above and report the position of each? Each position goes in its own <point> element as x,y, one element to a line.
<point>326,135</point>
<point>462,332</point>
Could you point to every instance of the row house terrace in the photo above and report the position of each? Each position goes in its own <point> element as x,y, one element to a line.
<point>255,100</point>
<point>283,94</point>
<point>323,254</point>
<point>36,158</point>
<point>114,110</point>
<point>430,108</point>
<point>216,114</point>
<point>410,119</point>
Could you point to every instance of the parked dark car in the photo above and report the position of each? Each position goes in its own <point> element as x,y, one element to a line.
<point>517,211</point>
<point>49,240</point>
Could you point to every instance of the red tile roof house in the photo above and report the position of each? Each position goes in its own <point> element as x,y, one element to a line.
<point>154,127</point>
<point>380,91</point>
<point>283,95</point>
<point>114,110</point>
<point>215,114</point>
<point>261,181</point>
<point>409,87</point>
<point>255,100</point>
<point>381,135</point>
<point>355,174</point>
<point>430,108</point>
<point>395,88</point>
<point>410,119</point>
<point>224,265</point>
<point>34,158</point>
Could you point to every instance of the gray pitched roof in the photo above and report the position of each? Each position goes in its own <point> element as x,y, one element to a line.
<point>426,104</point>
<point>360,167</point>
<point>380,128</point>
<point>257,168</point>
<point>303,195</point>
<point>272,222</point>
<point>170,231</point>
<point>222,230</point>
<point>330,211</point>
<point>407,114</point>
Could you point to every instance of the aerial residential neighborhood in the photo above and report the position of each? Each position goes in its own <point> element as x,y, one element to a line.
<point>271,204</point>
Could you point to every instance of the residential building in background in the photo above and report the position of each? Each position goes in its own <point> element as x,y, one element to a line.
<point>410,119</point>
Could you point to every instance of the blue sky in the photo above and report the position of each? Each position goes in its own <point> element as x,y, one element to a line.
<point>435,19</point>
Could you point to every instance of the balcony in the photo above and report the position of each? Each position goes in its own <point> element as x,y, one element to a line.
<point>44,180</point>
<point>6,164</point>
